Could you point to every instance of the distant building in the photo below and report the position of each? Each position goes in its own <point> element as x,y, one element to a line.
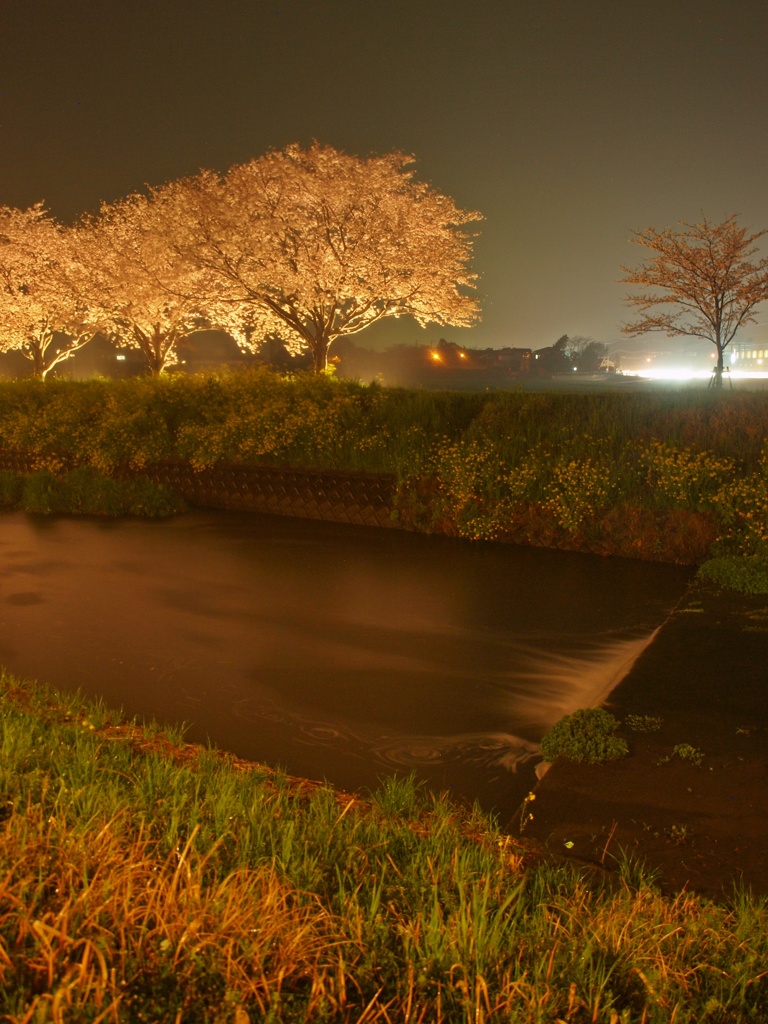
<point>747,355</point>
<point>513,360</point>
<point>439,365</point>
<point>657,352</point>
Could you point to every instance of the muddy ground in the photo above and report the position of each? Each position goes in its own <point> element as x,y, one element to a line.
<point>698,826</point>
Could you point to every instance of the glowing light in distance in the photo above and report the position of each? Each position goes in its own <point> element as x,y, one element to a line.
<point>682,373</point>
<point>673,373</point>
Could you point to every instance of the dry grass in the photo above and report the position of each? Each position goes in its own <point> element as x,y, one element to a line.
<point>145,880</point>
<point>96,922</point>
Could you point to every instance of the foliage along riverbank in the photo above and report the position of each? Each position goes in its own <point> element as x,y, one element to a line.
<point>672,476</point>
<point>146,879</point>
<point>85,491</point>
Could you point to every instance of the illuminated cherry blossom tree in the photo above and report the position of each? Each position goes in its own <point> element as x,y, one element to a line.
<point>313,244</point>
<point>706,280</point>
<point>45,311</point>
<point>148,297</point>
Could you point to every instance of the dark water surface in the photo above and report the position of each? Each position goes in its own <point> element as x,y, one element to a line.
<point>339,652</point>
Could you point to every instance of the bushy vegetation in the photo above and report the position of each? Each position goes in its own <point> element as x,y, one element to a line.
<point>143,879</point>
<point>654,475</point>
<point>586,735</point>
<point>11,489</point>
<point>86,491</point>
<point>748,575</point>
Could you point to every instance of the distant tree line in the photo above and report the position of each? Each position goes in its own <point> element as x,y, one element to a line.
<point>447,362</point>
<point>572,354</point>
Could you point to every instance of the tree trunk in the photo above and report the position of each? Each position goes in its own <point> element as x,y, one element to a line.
<point>717,376</point>
<point>154,348</point>
<point>37,354</point>
<point>320,354</point>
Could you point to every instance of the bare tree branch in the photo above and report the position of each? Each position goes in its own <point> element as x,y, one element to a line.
<point>706,275</point>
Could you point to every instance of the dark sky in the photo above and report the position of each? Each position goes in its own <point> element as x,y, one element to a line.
<point>566,122</point>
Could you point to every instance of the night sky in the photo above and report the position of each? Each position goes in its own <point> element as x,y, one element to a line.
<point>566,122</point>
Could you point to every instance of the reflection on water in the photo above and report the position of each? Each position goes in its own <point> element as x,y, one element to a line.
<point>336,651</point>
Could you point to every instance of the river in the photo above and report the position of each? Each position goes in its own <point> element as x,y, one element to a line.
<point>338,652</point>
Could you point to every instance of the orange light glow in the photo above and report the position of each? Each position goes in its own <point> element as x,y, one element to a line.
<point>436,357</point>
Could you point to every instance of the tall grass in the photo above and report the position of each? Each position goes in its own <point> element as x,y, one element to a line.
<point>316,422</point>
<point>86,491</point>
<point>144,879</point>
<point>651,475</point>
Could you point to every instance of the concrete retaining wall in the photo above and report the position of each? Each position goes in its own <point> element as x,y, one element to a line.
<point>342,497</point>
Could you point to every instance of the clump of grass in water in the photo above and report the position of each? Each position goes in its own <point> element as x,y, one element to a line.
<point>686,752</point>
<point>397,795</point>
<point>586,735</point>
<point>145,881</point>
<point>643,723</point>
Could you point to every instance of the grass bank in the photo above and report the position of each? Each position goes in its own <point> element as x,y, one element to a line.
<point>85,491</point>
<point>675,476</point>
<point>145,879</point>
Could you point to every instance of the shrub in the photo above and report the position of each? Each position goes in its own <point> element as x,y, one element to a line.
<point>85,491</point>
<point>577,489</point>
<point>468,495</point>
<point>683,478</point>
<point>586,735</point>
<point>742,508</point>
<point>747,574</point>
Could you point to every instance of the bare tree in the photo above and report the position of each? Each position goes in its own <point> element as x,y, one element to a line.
<point>311,245</point>
<point>707,283</point>
<point>45,311</point>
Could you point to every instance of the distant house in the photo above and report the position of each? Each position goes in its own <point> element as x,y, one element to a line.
<point>513,360</point>
<point>748,355</point>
